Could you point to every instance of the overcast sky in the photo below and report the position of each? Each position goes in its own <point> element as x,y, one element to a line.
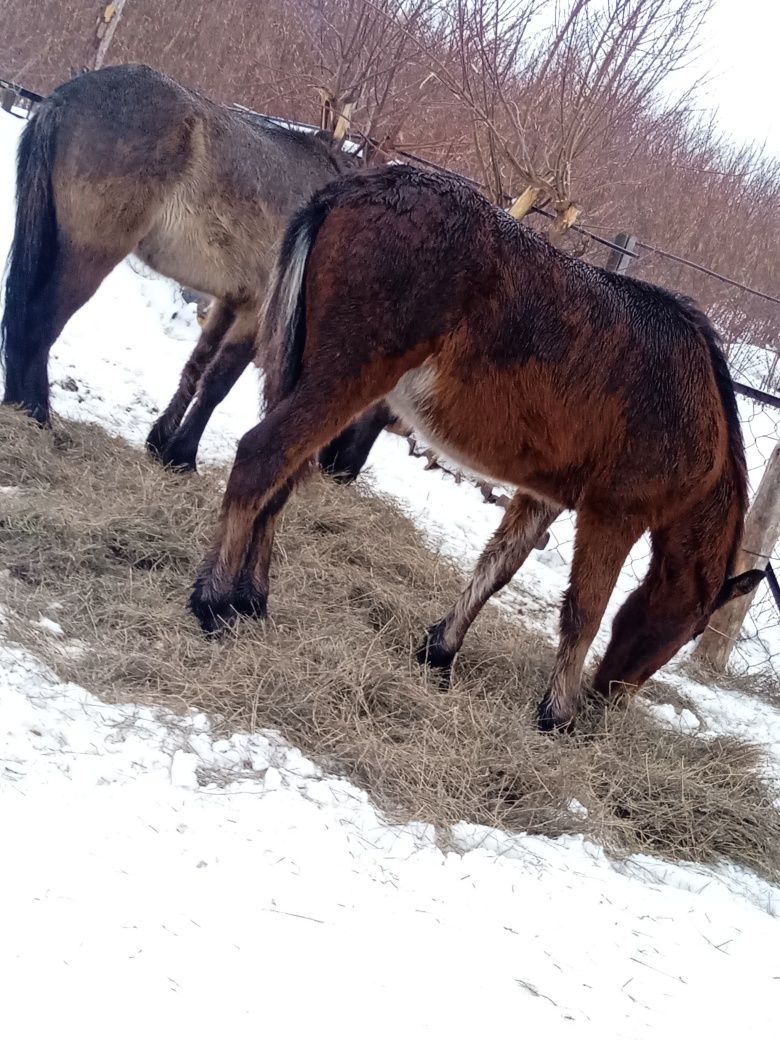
<point>740,50</point>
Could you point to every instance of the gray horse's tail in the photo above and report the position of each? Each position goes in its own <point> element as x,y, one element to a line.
<point>34,248</point>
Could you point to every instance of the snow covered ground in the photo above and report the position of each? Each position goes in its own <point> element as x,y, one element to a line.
<point>156,879</point>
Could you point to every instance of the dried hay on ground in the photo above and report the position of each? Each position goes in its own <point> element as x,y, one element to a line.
<point>100,530</point>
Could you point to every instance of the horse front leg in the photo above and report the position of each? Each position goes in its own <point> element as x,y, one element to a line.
<point>218,322</point>
<point>524,522</point>
<point>600,549</point>
<point>235,353</point>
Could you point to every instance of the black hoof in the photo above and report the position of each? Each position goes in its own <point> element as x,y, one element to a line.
<point>250,602</point>
<point>179,457</point>
<point>216,615</point>
<point>432,653</point>
<point>343,476</point>
<point>175,466</point>
<point>41,415</point>
<point>173,452</point>
<point>548,722</point>
<point>155,442</point>
<point>39,412</point>
<point>332,466</point>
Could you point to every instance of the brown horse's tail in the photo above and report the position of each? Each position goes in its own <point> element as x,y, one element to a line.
<point>283,329</point>
<point>34,248</point>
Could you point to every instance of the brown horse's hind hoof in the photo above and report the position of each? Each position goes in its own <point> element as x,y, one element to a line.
<point>548,722</point>
<point>217,614</point>
<point>214,617</point>
<point>433,653</point>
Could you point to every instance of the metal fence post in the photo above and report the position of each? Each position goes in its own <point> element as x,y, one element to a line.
<point>617,260</point>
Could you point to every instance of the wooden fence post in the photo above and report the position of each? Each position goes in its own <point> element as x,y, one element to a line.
<point>617,260</point>
<point>563,221</point>
<point>344,120</point>
<point>523,203</point>
<point>762,532</point>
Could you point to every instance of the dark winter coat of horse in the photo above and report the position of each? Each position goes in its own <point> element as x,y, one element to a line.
<point>124,160</point>
<point>585,390</point>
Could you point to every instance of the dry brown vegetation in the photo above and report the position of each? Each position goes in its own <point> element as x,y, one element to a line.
<point>102,532</point>
<point>571,98</point>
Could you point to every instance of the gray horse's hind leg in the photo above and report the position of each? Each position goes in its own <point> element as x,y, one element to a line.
<point>217,324</point>
<point>76,275</point>
<point>345,456</point>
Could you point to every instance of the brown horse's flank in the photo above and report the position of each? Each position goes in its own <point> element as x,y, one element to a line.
<point>584,389</point>
<point>124,160</point>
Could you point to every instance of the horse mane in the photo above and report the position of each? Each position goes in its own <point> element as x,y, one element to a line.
<point>310,138</point>
<point>720,369</point>
<point>292,133</point>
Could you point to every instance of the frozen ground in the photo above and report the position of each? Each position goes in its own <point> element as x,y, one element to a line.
<point>156,880</point>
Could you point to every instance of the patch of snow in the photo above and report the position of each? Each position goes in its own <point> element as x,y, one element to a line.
<point>52,627</point>
<point>684,721</point>
<point>219,903</point>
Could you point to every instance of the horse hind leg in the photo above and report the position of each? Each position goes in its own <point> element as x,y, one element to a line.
<point>345,456</point>
<point>234,352</point>
<point>270,458</point>
<point>524,522</point>
<point>251,586</point>
<point>217,324</point>
<point>600,549</point>
<point>346,453</point>
<point>76,274</point>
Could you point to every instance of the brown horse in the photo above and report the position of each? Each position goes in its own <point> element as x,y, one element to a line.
<point>585,390</point>
<point>125,160</point>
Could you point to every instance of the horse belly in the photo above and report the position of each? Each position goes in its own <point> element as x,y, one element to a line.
<point>414,400</point>
<point>184,265</point>
<point>484,433</point>
<point>194,248</point>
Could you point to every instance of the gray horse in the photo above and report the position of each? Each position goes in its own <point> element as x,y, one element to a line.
<point>125,160</point>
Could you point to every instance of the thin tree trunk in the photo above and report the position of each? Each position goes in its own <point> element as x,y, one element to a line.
<point>108,35</point>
